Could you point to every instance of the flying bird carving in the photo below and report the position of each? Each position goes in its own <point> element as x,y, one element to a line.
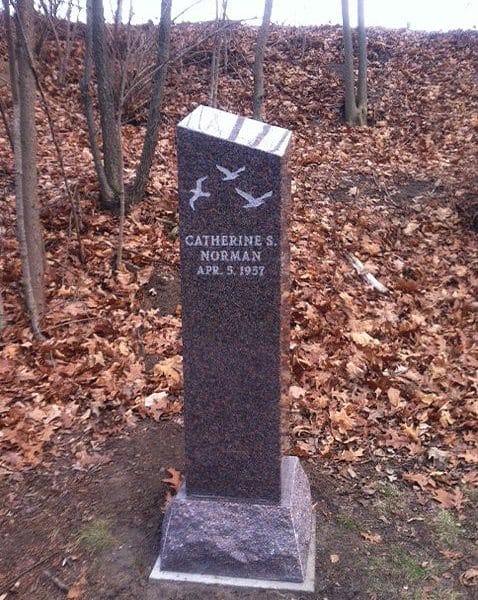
<point>230,175</point>
<point>253,202</point>
<point>198,192</point>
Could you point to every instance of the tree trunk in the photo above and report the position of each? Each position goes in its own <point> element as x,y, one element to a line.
<point>110,127</point>
<point>6,124</point>
<point>351,113</point>
<point>258,93</point>
<point>215,63</point>
<point>65,57</point>
<point>362,66</point>
<point>118,16</point>
<point>154,112</point>
<point>2,314</point>
<point>106,193</point>
<point>29,230</point>
<point>216,53</point>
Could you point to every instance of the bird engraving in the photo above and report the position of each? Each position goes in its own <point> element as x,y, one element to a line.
<point>230,175</point>
<point>253,202</point>
<point>198,192</point>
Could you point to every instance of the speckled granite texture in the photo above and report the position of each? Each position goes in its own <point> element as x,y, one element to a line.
<point>244,511</point>
<point>241,539</point>
<point>234,205</point>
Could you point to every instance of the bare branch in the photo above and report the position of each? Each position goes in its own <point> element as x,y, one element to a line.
<point>369,278</point>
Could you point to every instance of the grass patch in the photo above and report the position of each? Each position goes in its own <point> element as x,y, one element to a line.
<point>472,495</point>
<point>348,522</point>
<point>441,594</point>
<point>394,570</point>
<point>406,565</point>
<point>447,528</point>
<point>96,536</point>
<point>388,490</point>
<point>444,595</point>
<point>392,499</point>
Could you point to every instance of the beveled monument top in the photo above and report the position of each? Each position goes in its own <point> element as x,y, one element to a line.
<point>240,130</point>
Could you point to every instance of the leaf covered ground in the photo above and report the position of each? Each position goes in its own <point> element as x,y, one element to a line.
<point>388,381</point>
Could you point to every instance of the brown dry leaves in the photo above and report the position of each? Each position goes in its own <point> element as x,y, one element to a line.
<point>382,377</point>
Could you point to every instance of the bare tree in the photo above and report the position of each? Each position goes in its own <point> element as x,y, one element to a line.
<point>118,16</point>
<point>258,94</point>
<point>362,69</point>
<point>106,194</point>
<point>109,165</point>
<point>216,52</point>
<point>110,125</point>
<point>29,231</point>
<point>155,104</point>
<point>70,33</point>
<point>355,103</point>
<point>6,124</point>
<point>2,314</point>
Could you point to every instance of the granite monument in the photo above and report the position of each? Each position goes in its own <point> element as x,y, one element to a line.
<point>244,514</point>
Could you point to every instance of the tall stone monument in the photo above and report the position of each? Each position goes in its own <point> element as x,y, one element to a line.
<point>244,514</point>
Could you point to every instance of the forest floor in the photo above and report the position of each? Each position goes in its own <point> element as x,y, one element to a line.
<point>95,535</point>
<point>384,395</point>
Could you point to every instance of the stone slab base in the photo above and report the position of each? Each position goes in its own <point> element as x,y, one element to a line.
<point>215,540</point>
<point>160,578</point>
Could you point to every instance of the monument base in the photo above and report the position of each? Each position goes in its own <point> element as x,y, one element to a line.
<point>216,540</point>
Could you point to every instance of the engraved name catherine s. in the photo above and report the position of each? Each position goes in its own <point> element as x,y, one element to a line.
<point>224,240</point>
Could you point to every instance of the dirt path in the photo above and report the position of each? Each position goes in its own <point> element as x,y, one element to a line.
<point>98,532</point>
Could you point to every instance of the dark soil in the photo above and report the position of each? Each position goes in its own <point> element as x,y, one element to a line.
<point>96,532</point>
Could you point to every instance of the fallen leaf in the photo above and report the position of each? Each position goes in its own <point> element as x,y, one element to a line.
<point>374,538</point>
<point>76,591</point>
<point>342,420</point>
<point>412,433</point>
<point>411,228</point>
<point>371,248</point>
<point>394,396</point>
<point>470,577</point>
<point>422,480</point>
<point>438,456</point>
<point>296,392</point>
<point>351,455</point>
<point>171,369</point>
<point>174,479</point>
<point>362,338</point>
<point>334,558</point>
<point>85,461</point>
<point>470,456</point>
<point>449,499</point>
<point>158,400</point>
<point>451,554</point>
<point>354,370</point>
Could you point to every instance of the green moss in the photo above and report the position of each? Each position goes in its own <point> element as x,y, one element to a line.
<point>348,522</point>
<point>388,490</point>
<point>446,528</point>
<point>395,568</point>
<point>96,536</point>
<point>472,495</point>
<point>391,499</point>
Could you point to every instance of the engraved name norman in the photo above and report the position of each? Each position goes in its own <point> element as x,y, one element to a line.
<point>211,249</point>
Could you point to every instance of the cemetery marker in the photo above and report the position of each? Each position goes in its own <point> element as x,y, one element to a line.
<point>244,515</point>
